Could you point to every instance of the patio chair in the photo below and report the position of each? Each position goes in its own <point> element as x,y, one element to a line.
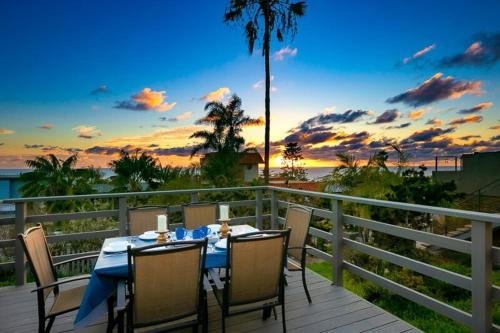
<point>142,219</point>
<point>254,275</point>
<point>165,288</point>
<point>44,271</point>
<point>199,214</point>
<point>298,219</point>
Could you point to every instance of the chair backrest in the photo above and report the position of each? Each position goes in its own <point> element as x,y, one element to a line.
<point>298,219</point>
<point>142,219</point>
<point>38,255</point>
<point>255,262</point>
<point>199,214</point>
<point>165,283</point>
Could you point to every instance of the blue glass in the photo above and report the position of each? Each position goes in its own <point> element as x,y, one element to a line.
<point>180,233</point>
<point>205,230</point>
<point>197,234</point>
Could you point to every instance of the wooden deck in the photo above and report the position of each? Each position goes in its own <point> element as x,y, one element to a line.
<point>333,309</point>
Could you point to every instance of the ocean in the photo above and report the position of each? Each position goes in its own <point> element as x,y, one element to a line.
<point>312,173</point>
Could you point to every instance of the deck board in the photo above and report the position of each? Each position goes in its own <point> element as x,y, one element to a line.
<point>334,309</point>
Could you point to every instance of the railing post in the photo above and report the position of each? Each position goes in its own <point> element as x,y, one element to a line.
<point>274,210</point>
<point>122,216</point>
<point>258,209</point>
<point>194,197</point>
<point>481,276</point>
<point>337,233</point>
<point>20,265</point>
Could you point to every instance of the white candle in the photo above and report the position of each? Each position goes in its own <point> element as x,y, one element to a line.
<point>224,212</point>
<point>162,223</point>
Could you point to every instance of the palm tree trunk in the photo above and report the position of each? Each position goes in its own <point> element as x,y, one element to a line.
<point>267,41</point>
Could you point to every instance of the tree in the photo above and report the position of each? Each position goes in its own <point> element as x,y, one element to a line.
<point>262,17</point>
<point>227,122</point>
<point>292,169</point>
<point>134,170</point>
<point>224,140</point>
<point>52,176</point>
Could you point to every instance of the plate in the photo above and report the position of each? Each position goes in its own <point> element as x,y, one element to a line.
<point>119,246</point>
<point>147,236</point>
<point>214,227</point>
<point>222,244</point>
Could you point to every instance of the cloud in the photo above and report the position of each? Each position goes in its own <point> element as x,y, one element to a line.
<point>427,134</point>
<point>2,143</point>
<point>496,127</point>
<point>417,114</point>
<point>348,116</point>
<point>87,132</point>
<point>217,95</point>
<point>404,125</point>
<point>437,88</point>
<point>387,117</point>
<point>330,109</point>
<point>113,150</point>
<point>434,122</point>
<point>483,52</point>
<point>35,146</point>
<point>6,131</point>
<point>146,100</point>
<point>46,126</point>
<point>477,108</point>
<point>418,54</point>
<point>495,138</point>
<point>466,120</point>
<point>287,51</point>
<point>468,137</point>
<point>182,116</point>
<point>258,122</point>
<point>102,89</point>
<point>259,84</point>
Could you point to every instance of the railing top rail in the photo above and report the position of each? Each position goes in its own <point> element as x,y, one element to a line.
<point>466,214</point>
<point>470,215</point>
<point>132,194</point>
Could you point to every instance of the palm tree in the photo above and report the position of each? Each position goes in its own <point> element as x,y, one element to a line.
<point>227,121</point>
<point>52,176</point>
<point>278,15</point>
<point>134,170</point>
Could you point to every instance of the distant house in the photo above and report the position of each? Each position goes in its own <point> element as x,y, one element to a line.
<point>248,163</point>
<point>479,172</point>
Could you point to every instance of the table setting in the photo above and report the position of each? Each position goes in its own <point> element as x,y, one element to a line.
<point>112,266</point>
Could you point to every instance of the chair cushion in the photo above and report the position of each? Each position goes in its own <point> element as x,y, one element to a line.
<point>67,300</point>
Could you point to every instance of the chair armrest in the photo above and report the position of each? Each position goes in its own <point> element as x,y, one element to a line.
<point>216,278</point>
<point>121,299</point>
<point>90,256</point>
<point>59,282</point>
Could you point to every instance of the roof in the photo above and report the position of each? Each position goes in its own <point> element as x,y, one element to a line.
<point>251,158</point>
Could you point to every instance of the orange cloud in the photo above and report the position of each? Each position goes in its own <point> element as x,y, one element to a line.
<point>147,100</point>
<point>465,120</point>
<point>6,131</point>
<point>434,122</point>
<point>414,115</point>
<point>258,122</point>
<point>46,126</point>
<point>217,95</point>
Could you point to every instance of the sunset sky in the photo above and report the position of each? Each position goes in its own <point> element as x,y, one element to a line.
<point>94,77</point>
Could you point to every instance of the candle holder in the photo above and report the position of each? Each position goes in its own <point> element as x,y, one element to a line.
<point>224,227</point>
<point>162,238</point>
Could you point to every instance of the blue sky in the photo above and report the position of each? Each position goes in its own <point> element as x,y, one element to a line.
<point>348,56</point>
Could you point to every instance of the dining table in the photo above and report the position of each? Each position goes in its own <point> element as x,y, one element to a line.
<point>110,268</point>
